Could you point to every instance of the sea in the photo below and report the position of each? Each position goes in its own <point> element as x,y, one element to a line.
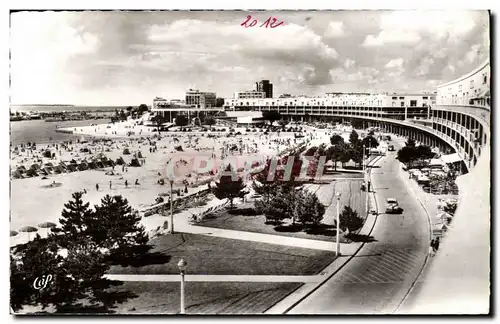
<point>40,131</point>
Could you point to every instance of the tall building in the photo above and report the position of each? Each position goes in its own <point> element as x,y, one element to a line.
<point>266,87</point>
<point>200,99</point>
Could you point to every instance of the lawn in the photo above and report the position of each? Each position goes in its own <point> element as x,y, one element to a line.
<point>244,218</point>
<point>215,255</point>
<point>257,224</point>
<point>203,297</point>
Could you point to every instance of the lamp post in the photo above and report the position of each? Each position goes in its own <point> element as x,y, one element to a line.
<point>182,267</point>
<point>171,206</point>
<point>363,161</point>
<point>337,248</point>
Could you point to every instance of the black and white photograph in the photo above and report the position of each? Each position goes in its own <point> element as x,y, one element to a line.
<point>250,162</point>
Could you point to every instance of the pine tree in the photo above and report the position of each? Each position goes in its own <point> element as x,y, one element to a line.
<point>312,210</point>
<point>227,188</point>
<point>77,284</point>
<point>117,225</point>
<point>350,219</point>
<point>76,218</point>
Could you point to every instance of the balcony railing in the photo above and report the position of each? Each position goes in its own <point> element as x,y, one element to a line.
<point>483,114</point>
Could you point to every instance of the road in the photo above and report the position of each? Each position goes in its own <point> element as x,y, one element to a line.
<point>377,279</point>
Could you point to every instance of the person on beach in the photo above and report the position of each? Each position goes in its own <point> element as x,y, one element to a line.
<point>136,182</point>
<point>97,187</point>
<point>110,184</point>
<point>126,184</point>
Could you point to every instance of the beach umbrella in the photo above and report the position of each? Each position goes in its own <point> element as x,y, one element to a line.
<point>47,225</point>
<point>13,233</point>
<point>28,229</point>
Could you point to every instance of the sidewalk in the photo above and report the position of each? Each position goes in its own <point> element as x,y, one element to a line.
<point>214,278</point>
<point>266,238</point>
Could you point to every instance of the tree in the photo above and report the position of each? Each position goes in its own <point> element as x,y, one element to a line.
<point>123,116</point>
<point>277,208</point>
<point>227,188</point>
<point>142,109</point>
<point>271,116</point>
<point>370,142</point>
<point>209,120</point>
<point>76,218</point>
<point>424,152</point>
<point>410,142</point>
<point>349,219</point>
<point>406,155</point>
<point>219,102</point>
<point>78,284</point>
<point>345,156</point>
<point>311,151</point>
<point>335,151</point>
<point>117,226</point>
<point>181,120</point>
<point>357,123</point>
<point>158,120</point>
<point>354,139</point>
<point>312,210</point>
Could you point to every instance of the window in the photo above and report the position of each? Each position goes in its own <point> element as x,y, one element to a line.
<point>425,98</point>
<point>413,103</point>
<point>401,97</point>
<point>394,98</point>
<point>402,104</point>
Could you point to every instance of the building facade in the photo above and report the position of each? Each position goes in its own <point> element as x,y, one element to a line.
<point>266,87</point>
<point>470,89</point>
<point>198,99</point>
<point>253,94</point>
<point>462,114</point>
<point>344,105</point>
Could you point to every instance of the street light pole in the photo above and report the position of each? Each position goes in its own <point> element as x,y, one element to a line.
<point>182,267</point>
<point>337,249</point>
<point>171,207</point>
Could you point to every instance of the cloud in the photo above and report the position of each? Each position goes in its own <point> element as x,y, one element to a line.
<point>396,63</point>
<point>130,57</point>
<point>408,27</point>
<point>335,29</point>
<point>391,37</point>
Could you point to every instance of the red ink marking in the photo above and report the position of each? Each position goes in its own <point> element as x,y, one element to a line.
<point>271,22</point>
<point>245,23</point>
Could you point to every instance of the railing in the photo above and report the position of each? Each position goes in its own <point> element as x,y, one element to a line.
<point>483,114</point>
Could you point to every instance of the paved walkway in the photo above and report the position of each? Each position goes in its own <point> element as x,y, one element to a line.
<point>215,278</point>
<point>266,238</point>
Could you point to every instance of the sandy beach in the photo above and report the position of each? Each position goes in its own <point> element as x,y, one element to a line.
<point>40,199</point>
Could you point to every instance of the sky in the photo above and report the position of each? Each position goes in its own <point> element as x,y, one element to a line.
<point>129,58</point>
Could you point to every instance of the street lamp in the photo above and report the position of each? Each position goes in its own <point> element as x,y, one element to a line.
<point>171,206</point>
<point>182,267</point>
<point>337,250</point>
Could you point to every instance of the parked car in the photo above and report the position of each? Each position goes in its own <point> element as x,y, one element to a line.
<point>390,148</point>
<point>392,206</point>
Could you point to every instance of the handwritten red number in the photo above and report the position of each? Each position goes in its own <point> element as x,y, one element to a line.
<point>245,23</point>
<point>272,24</point>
